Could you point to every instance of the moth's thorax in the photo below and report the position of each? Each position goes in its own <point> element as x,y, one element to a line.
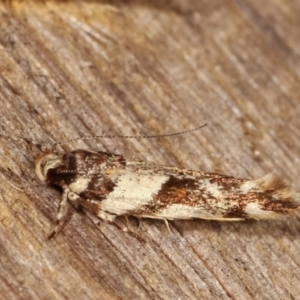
<point>45,162</point>
<point>63,168</point>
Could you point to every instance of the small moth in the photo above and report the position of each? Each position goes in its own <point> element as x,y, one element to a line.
<point>107,185</point>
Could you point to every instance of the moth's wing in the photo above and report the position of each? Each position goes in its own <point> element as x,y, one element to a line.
<point>146,190</point>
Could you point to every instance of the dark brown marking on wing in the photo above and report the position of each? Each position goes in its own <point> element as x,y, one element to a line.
<point>178,190</point>
<point>98,188</point>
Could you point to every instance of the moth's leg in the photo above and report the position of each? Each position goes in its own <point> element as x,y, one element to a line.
<point>91,209</point>
<point>140,224</point>
<point>93,218</point>
<point>110,218</point>
<point>94,213</point>
<point>129,227</point>
<point>61,211</point>
<point>167,224</point>
<point>106,216</point>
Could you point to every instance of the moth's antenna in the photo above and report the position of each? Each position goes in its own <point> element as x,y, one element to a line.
<point>126,136</point>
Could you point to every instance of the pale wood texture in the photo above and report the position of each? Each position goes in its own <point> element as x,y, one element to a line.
<point>74,68</point>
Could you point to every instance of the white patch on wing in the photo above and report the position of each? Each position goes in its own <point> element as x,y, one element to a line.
<point>133,190</point>
<point>254,211</point>
<point>210,188</point>
<point>181,211</point>
<point>79,185</point>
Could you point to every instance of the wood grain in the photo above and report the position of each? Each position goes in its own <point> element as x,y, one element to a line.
<point>75,68</point>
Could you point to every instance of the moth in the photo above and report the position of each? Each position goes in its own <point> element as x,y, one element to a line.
<point>108,185</point>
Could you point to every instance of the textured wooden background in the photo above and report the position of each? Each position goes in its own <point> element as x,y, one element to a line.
<point>74,68</point>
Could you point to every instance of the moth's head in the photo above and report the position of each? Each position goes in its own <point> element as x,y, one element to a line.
<point>46,161</point>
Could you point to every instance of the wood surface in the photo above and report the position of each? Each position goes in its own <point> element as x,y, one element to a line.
<point>76,68</point>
